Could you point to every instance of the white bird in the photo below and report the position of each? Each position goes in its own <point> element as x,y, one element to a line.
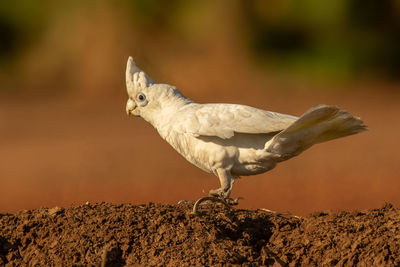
<point>231,140</point>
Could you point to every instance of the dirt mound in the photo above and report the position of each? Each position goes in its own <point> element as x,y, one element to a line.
<point>169,235</point>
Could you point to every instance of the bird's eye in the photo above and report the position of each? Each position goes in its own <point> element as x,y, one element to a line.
<point>141,98</point>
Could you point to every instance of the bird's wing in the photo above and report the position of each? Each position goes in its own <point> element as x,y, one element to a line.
<point>223,120</point>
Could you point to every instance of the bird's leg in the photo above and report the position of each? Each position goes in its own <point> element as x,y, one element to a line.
<point>221,194</point>
<point>225,178</point>
<point>224,192</point>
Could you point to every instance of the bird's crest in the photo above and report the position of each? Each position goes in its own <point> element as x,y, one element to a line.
<point>136,79</point>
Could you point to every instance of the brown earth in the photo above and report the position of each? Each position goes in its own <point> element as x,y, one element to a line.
<point>168,235</point>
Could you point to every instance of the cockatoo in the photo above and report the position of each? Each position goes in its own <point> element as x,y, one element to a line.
<point>231,140</point>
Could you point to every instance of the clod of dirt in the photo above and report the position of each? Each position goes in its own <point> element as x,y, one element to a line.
<point>168,235</point>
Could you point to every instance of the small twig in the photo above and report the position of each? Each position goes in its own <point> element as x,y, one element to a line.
<point>275,257</point>
<point>210,198</point>
<point>280,214</point>
<point>104,256</point>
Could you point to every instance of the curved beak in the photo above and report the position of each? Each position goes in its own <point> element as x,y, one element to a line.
<point>130,106</point>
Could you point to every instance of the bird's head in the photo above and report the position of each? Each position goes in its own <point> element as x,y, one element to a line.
<point>146,97</point>
<point>138,87</point>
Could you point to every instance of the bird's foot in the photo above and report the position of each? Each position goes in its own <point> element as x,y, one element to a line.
<point>233,202</point>
<point>224,194</point>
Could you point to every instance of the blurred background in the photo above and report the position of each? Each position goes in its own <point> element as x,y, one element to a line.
<point>65,138</point>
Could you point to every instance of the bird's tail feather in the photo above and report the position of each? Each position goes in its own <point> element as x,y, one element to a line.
<point>319,124</point>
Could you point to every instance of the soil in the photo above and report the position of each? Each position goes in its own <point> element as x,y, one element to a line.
<point>169,235</point>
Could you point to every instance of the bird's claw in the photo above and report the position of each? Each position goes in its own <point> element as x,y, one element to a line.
<point>233,202</point>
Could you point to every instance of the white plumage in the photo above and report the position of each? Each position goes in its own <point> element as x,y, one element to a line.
<point>231,140</point>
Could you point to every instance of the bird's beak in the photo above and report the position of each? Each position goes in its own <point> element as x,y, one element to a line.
<point>130,106</point>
